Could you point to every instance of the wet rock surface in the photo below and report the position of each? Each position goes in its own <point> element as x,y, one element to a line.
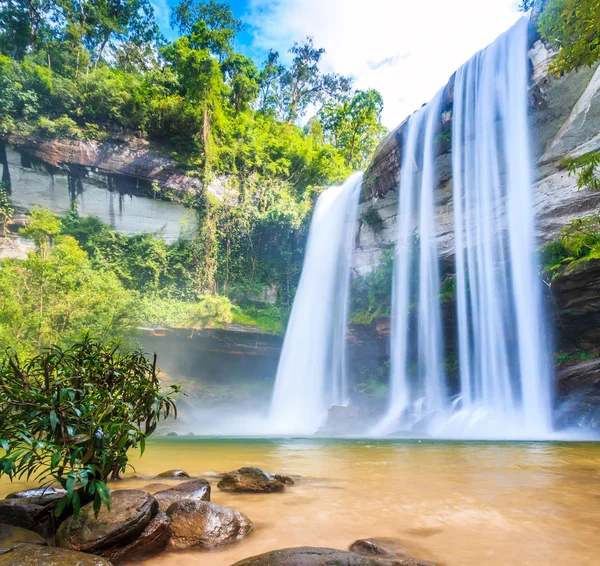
<point>388,547</point>
<point>254,480</point>
<point>314,556</point>
<point>196,490</point>
<point>154,539</point>
<point>174,474</point>
<point>19,513</point>
<point>35,555</point>
<point>40,496</point>
<point>13,537</point>
<point>130,513</point>
<point>205,525</point>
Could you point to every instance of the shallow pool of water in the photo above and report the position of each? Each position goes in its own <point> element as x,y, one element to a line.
<point>457,504</point>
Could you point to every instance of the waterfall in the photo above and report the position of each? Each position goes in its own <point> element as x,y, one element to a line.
<point>416,211</point>
<point>504,375</point>
<point>504,388</point>
<point>311,376</point>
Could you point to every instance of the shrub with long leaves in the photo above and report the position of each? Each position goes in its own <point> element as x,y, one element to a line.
<point>71,416</point>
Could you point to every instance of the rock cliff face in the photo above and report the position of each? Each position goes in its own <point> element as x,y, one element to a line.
<point>129,157</point>
<point>565,122</point>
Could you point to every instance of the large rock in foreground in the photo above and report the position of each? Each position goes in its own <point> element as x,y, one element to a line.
<point>196,490</point>
<point>20,513</point>
<point>130,512</point>
<point>253,480</point>
<point>33,555</point>
<point>13,537</point>
<point>206,525</point>
<point>313,556</point>
<point>154,539</point>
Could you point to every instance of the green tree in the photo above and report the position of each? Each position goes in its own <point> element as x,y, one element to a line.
<point>56,295</point>
<point>303,84</point>
<point>354,126</point>
<point>221,26</point>
<point>574,27</point>
<point>243,80</point>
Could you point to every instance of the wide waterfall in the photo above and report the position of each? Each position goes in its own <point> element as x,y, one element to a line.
<point>504,382</point>
<point>311,376</point>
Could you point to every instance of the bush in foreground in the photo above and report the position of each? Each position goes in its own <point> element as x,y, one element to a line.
<point>71,415</point>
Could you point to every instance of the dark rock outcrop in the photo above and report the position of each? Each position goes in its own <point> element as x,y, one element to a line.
<point>195,490</point>
<point>13,537</point>
<point>205,525</point>
<point>252,479</point>
<point>130,513</point>
<point>154,539</point>
<point>313,556</point>
<point>36,555</point>
<point>575,293</point>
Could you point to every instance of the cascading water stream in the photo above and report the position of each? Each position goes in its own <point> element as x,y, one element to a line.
<point>504,377</point>
<point>311,376</point>
<point>426,392</point>
<point>504,374</point>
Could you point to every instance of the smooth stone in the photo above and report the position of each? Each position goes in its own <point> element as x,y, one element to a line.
<point>172,434</point>
<point>196,490</point>
<point>152,487</point>
<point>176,474</point>
<point>36,555</point>
<point>153,540</point>
<point>205,525</point>
<point>387,547</point>
<point>314,556</point>
<point>130,512</point>
<point>251,479</point>
<point>40,496</point>
<point>11,537</point>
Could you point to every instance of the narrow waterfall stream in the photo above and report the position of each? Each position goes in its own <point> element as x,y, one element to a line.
<point>504,389</point>
<point>311,376</point>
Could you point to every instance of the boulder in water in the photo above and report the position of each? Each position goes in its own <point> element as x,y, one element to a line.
<point>174,474</point>
<point>205,525</point>
<point>314,556</point>
<point>154,539</point>
<point>386,547</point>
<point>36,555</point>
<point>130,512</point>
<point>196,490</point>
<point>12,537</point>
<point>251,479</point>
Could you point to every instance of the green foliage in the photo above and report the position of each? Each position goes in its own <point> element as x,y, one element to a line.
<point>56,294</point>
<point>371,294</point>
<point>208,311</point>
<point>573,26</point>
<point>373,220</point>
<point>566,358</point>
<point>71,415</point>
<point>586,168</point>
<point>6,208</point>
<point>578,241</point>
<point>448,289</point>
<point>266,318</point>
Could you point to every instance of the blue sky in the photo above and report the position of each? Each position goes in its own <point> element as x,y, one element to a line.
<point>407,49</point>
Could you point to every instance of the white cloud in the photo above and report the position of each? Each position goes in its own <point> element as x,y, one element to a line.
<point>407,49</point>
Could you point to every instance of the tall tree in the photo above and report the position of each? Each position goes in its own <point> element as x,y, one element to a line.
<point>222,26</point>
<point>303,84</point>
